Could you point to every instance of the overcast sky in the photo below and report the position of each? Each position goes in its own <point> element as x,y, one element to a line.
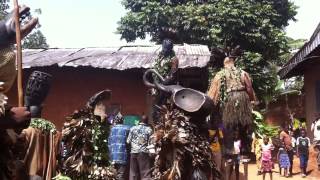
<point>83,23</point>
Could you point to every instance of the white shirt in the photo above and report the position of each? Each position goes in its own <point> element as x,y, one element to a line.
<point>315,127</point>
<point>237,146</point>
<point>293,141</point>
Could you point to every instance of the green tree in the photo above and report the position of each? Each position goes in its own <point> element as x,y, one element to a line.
<point>35,40</point>
<point>256,25</point>
<point>3,7</point>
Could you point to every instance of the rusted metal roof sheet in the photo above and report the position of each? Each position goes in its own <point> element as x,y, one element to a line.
<point>300,56</point>
<point>119,58</point>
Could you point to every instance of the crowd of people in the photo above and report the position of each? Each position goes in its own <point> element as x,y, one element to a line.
<point>134,142</point>
<point>291,144</point>
<point>89,145</point>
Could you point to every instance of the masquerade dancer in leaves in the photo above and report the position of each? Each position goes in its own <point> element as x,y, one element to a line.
<point>84,140</point>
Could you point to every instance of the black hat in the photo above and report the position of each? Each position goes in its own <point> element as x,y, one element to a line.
<point>100,96</point>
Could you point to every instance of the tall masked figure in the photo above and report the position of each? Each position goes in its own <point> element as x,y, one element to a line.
<point>85,135</point>
<point>166,65</point>
<point>11,117</point>
<point>181,149</point>
<point>231,89</point>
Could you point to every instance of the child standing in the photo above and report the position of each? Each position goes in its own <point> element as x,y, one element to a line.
<point>303,144</point>
<point>284,161</point>
<point>234,159</point>
<point>256,149</point>
<point>266,158</point>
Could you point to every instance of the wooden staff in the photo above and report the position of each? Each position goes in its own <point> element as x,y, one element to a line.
<point>19,52</point>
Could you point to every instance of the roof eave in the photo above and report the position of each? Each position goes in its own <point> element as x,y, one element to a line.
<point>300,56</point>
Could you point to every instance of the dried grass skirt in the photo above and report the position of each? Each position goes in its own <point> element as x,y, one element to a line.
<point>237,110</point>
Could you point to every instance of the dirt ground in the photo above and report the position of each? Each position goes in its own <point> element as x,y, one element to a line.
<point>313,173</point>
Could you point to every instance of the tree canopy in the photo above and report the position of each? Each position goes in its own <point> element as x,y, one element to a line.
<point>35,40</point>
<point>256,25</point>
<point>3,7</point>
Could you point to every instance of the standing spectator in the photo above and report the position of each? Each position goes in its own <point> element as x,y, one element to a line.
<point>315,127</point>
<point>140,164</point>
<point>266,157</point>
<point>293,140</point>
<point>118,147</point>
<point>215,139</point>
<point>303,144</point>
<point>255,148</point>
<point>284,162</point>
<point>286,139</point>
<point>234,160</point>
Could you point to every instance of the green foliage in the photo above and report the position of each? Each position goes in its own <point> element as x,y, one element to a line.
<point>256,25</point>
<point>163,64</point>
<point>263,73</point>
<point>3,7</point>
<point>293,46</point>
<point>261,128</point>
<point>61,177</point>
<point>42,124</point>
<point>35,40</point>
<point>100,134</point>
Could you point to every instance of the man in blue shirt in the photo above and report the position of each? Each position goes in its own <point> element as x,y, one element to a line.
<point>118,147</point>
<point>140,162</point>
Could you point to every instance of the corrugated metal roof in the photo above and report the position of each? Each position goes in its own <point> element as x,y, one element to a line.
<point>301,55</point>
<point>119,58</point>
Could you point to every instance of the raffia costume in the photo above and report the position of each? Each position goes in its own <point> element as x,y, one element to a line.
<point>228,89</point>
<point>231,90</point>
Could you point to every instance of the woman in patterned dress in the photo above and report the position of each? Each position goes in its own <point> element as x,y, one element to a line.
<point>284,162</point>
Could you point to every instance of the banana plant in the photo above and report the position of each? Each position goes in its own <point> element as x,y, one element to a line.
<point>261,128</point>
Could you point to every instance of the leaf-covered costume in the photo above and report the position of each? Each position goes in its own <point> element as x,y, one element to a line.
<point>228,89</point>
<point>182,152</point>
<point>167,67</point>
<point>84,139</point>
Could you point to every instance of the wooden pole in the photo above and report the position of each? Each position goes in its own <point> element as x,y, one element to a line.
<point>19,52</point>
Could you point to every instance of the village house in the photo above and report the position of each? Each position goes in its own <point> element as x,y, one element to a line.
<point>306,62</point>
<point>79,73</point>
